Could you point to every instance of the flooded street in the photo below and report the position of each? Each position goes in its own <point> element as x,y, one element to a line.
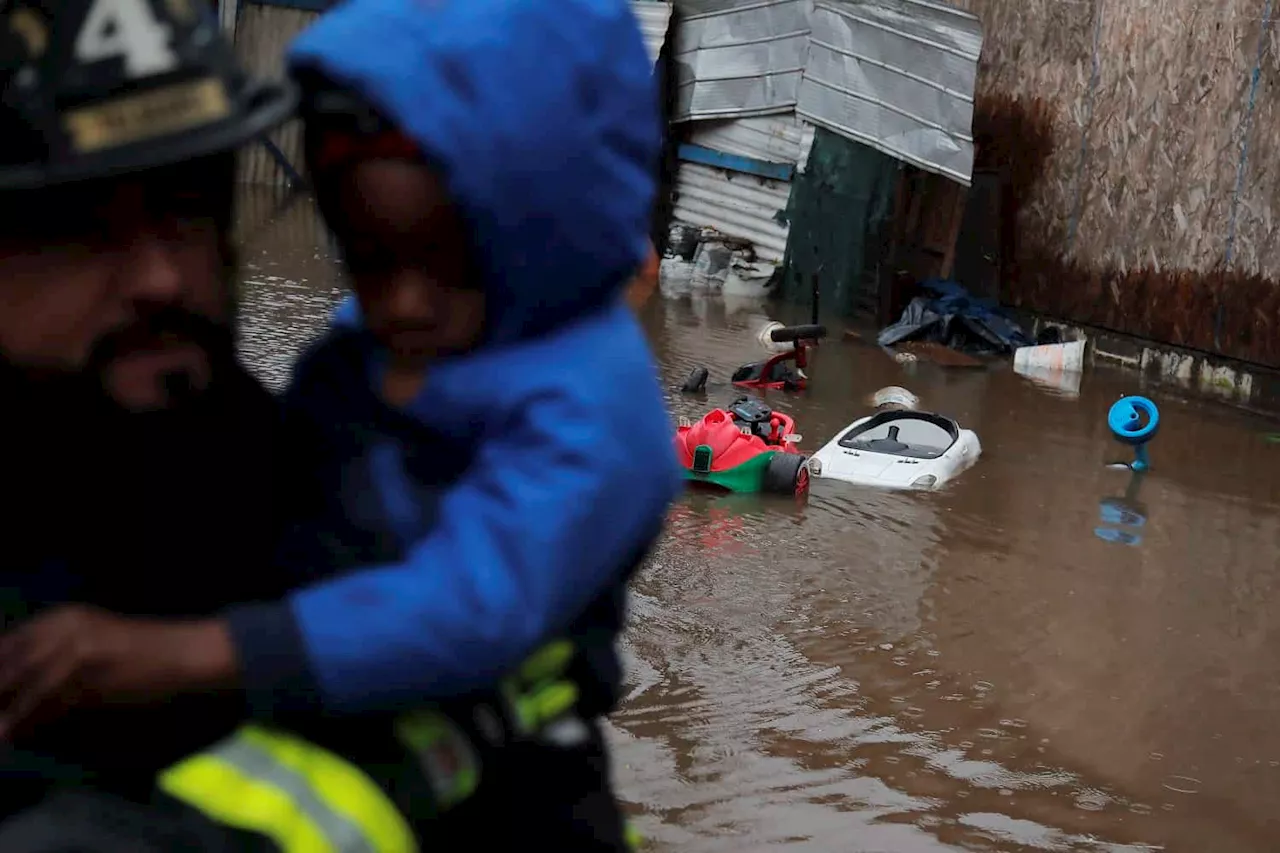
<point>969,670</point>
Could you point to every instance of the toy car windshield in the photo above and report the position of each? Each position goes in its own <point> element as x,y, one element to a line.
<point>917,435</point>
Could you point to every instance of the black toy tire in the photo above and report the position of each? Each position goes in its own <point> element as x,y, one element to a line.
<point>697,381</point>
<point>783,474</point>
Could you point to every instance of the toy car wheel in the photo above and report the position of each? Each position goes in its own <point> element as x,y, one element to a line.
<point>786,474</point>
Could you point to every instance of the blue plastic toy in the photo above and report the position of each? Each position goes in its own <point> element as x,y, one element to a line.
<point>1135,421</point>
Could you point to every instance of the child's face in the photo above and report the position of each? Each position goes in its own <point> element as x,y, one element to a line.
<point>406,250</point>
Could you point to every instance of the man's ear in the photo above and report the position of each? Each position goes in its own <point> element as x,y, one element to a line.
<point>645,281</point>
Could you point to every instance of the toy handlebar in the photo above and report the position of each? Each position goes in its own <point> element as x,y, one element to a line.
<point>798,333</point>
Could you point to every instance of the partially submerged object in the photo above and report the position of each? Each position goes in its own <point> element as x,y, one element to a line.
<point>894,397</point>
<point>949,315</point>
<point>898,447</point>
<point>1057,366</point>
<point>747,447</point>
<point>764,337</point>
<point>1134,421</point>
<point>1064,357</point>
<point>784,370</point>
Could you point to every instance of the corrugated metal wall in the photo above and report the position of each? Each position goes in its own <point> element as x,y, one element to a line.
<point>734,204</point>
<point>898,75</point>
<point>776,139</point>
<point>741,62</point>
<point>654,17</point>
<point>262,34</point>
<point>737,204</point>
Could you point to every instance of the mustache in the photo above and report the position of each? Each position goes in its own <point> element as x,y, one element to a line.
<point>57,395</point>
<point>155,328</point>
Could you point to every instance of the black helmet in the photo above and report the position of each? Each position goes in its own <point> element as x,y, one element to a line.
<point>93,88</point>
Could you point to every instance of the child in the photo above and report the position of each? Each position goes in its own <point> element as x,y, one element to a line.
<point>483,449</point>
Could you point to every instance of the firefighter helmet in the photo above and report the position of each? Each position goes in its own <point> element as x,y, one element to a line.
<point>95,88</point>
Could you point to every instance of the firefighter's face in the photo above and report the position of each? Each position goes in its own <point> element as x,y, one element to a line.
<point>123,281</point>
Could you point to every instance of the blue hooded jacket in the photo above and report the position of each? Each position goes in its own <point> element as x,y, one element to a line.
<point>542,463</point>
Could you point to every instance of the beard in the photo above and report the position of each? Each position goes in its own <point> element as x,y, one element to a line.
<point>180,390</point>
<point>78,462</point>
<point>50,393</point>
<point>83,392</point>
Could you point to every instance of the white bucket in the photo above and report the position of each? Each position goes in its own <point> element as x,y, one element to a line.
<point>1065,358</point>
<point>1064,383</point>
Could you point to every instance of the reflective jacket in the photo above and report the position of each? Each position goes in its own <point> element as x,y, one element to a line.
<point>381,791</point>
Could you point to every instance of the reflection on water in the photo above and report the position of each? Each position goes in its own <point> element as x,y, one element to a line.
<point>972,669</point>
<point>1123,517</point>
<point>289,284</point>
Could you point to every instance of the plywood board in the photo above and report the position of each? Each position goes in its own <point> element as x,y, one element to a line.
<point>1257,243</point>
<point>1162,145</point>
<point>1043,49</point>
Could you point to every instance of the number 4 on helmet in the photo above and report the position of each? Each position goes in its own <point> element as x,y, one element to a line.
<point>127,30</point>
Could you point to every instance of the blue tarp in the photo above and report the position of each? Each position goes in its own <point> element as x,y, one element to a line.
<point>953,317</point>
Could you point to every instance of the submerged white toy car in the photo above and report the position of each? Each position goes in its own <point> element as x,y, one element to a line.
<point>897,449</point>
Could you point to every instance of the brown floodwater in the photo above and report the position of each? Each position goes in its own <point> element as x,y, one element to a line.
<point>973,669</point>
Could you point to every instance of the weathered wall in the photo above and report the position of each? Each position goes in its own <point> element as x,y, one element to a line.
<point>1137,204</point>
<point>262,35</point>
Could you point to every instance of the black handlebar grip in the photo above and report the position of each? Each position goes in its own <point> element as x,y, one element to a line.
<point>798,333</point>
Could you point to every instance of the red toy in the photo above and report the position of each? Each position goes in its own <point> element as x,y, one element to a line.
<point>774,373</point>
<point>746,448</point>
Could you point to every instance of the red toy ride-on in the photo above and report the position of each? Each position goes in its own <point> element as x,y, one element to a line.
<point>777,371</point>
<point>745,448</point>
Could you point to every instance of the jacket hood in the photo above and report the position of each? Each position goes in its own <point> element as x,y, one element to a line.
<point>542,118</point>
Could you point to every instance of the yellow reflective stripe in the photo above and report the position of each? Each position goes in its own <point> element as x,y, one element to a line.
<point>227,795</point>
<point>553,700</point>
<point>537,693</point>
<point>445,755</point>
<point>342,787</point>
<point>537,708</point>
<point>303,797</point>
<point>634,839</point>
<point>550,661</point>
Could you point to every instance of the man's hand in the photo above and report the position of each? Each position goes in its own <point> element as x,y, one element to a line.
<point>74,655</point>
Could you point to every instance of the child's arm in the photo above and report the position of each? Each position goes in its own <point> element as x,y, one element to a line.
<point>572,481</point>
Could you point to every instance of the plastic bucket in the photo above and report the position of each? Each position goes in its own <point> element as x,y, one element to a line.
<point>1067,358</point>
